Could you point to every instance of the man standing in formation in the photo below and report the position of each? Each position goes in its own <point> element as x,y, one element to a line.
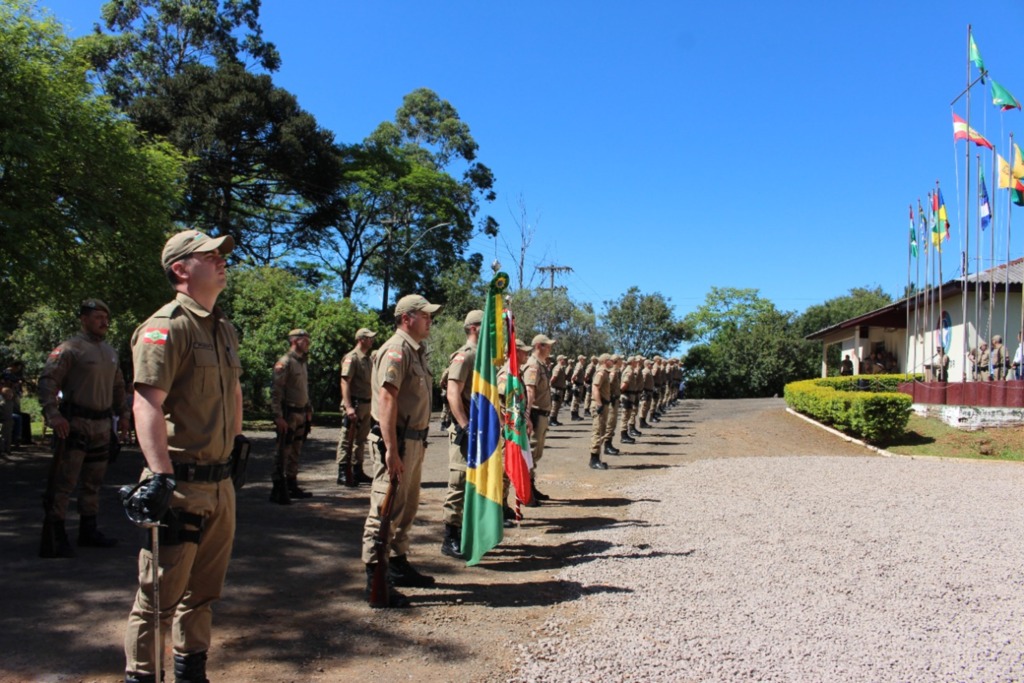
<point>559,382</point>
<point>578,387</point>
<point>600,397</point>
<point>293,415</point>
<point>538,397</point>
<point>85,371</point>
<point>459,391</point>
<point>401,387</point>
<point>188,415</point>
<point>356,372</point>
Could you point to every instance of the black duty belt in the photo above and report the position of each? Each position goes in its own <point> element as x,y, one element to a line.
<point>538,411</point>
<point>192,472</point>
<point>360,399</point>
<point>413,434</point>
<point>631,393</point>
<point>290,410</point>
<point>72,410</point>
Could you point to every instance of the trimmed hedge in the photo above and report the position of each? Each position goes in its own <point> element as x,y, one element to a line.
<point>868,407</point>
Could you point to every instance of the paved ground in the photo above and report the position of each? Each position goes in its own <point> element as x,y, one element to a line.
<point>293,608</point>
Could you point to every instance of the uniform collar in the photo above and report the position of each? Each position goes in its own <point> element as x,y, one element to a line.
<point>297,356</point>
<point>409,340</point>
<point>192,305</point>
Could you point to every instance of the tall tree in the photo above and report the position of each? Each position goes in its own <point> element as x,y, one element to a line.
<point>409,202</point>
<point>859,301</point>
<point>152,40</point>
<point>84,200</point>
<point>642,323</point>
<point>572,325</point>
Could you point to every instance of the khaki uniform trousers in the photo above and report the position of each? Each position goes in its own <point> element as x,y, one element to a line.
<point>456,496</point>
<point>579,396</point>
<point>191,577</point>
<point>645,406</point>
<point>291,450</point>
<point>405,504</point>
<point>540,432</point>
<point>85,462</point>
<point>612,420</point>
<point>600,426</point>
<point>556,402</point>
<point>360,430</point>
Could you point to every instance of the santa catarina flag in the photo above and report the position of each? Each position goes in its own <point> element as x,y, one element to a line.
<point>518,459</point>
<point>482,518</point>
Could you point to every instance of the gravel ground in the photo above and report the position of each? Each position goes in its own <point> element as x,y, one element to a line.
<point>809,568</point>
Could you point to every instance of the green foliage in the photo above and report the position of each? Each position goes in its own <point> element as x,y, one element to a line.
<point>265,304</point>
<point>859,301</point>
<point>573,326</point>
<point>642,324</point>
<point>84,200</point>
<point>749,348</point>
<point>871,410</point>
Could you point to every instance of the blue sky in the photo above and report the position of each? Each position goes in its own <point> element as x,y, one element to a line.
<point>675,145</point>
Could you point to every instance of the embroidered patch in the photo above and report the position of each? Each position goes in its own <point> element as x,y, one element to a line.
<point>459,358</point>
<point>391,375</point>
<point>278,366</point>
<point>155,335</point>
<point>55,354</point>
<point>395,354</point>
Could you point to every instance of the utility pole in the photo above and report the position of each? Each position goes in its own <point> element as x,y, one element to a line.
<point>553,270</point>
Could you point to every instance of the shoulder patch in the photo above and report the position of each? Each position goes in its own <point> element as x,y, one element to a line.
<point>55,354</point>
<point>155,335</point>
<point>279,365</point>
<point>394,354</point>
<point>459,358</point>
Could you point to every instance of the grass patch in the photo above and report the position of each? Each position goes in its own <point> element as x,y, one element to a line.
<point>930,436</point>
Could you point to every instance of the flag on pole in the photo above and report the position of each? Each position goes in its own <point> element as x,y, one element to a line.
<point>975,57</point>
<point>922,226</point>
<point>943,216</point>
<point>984,210</point>
<point>482,517</point>
<point>518,459</point>
<point>933,221</point>
<point>1002,98</point>
<point>913,234</point>
<point>961,131</point>
<point>1009,181</point>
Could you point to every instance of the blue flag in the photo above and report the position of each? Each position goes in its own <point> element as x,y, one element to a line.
<point>984,210</point>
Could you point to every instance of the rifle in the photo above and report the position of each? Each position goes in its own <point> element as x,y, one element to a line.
<point>379,589</point>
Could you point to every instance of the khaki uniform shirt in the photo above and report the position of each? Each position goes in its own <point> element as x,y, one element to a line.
<point>290,385</point>
<point>402,363</point>
<point>192,354</point>
<point>615,383</point>
<point>535,374</point>
<point>358,368</point>
<point>648,376</point>
<point>601,386</point>
<point>460,369</point>
<point>578,373</point>
<point>559,376</point>
<point>627,380</point>
<point>86,370</point>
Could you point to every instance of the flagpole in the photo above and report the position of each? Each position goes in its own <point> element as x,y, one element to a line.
<point>918,295</point>
<point>929,304</point>
<point>906,297</point>
<point>967,204</point>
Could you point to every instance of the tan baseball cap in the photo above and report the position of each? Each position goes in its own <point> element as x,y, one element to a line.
<point>474,317</point>
<point>298,332</point>
<point>90,305</point>
<point>542,339</point>
<point>363,332</point>
<point>604,357</point>
<point>188,242</point>
<point>415,302</point>
<point>523,346</point>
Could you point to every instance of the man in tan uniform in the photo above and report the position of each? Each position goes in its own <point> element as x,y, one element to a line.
<point>356,372</point>
<point>600,398</point>
<point>628,400</point>
<point>188,416</point>
<point>293,415</point>
<point>401,387</point>
<point>578,387</point>
<point>612,419</point>
<point>999,358</point>
<point>459,391</point>
<point>647,393</point>
<point>588,380</point>
<point>559,382</point>
<point>85,370</point>
<point>538,398</point>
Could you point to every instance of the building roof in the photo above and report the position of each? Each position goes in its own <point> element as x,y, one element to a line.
<point>895,314</point>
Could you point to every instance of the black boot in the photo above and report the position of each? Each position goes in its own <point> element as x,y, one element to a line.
<point>574,416</point>
<point>609,449</point>
<point>536,492</point>
<point>635,433</point>
<point>362,477</point>
<point>624,437</point>
<point>401,573</point>
<point>132,677</point>
<point>90,536</point>
<point>55,540</point>
<point>190,668</point>
<point>595,462</point>
<point>452,542</point>
<point>586,412</point>
<point>343,476</point>
<point>643,423</point>
<point>294,491</point>
<point>509,515</point>
<point>554,423</point>
<point>279,494</point>
<point>394,598</point>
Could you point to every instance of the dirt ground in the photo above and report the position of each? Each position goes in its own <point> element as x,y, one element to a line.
<point>293,608</point>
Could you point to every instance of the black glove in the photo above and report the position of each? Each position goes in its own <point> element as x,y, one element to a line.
<point>599,409</point>
<point>147,502</point>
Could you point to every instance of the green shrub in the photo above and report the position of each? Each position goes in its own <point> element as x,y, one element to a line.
<point>868,407</point>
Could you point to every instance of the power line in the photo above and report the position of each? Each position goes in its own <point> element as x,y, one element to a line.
<point>552,270</point>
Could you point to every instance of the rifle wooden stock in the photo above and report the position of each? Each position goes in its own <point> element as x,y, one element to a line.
<point>379,595</point>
